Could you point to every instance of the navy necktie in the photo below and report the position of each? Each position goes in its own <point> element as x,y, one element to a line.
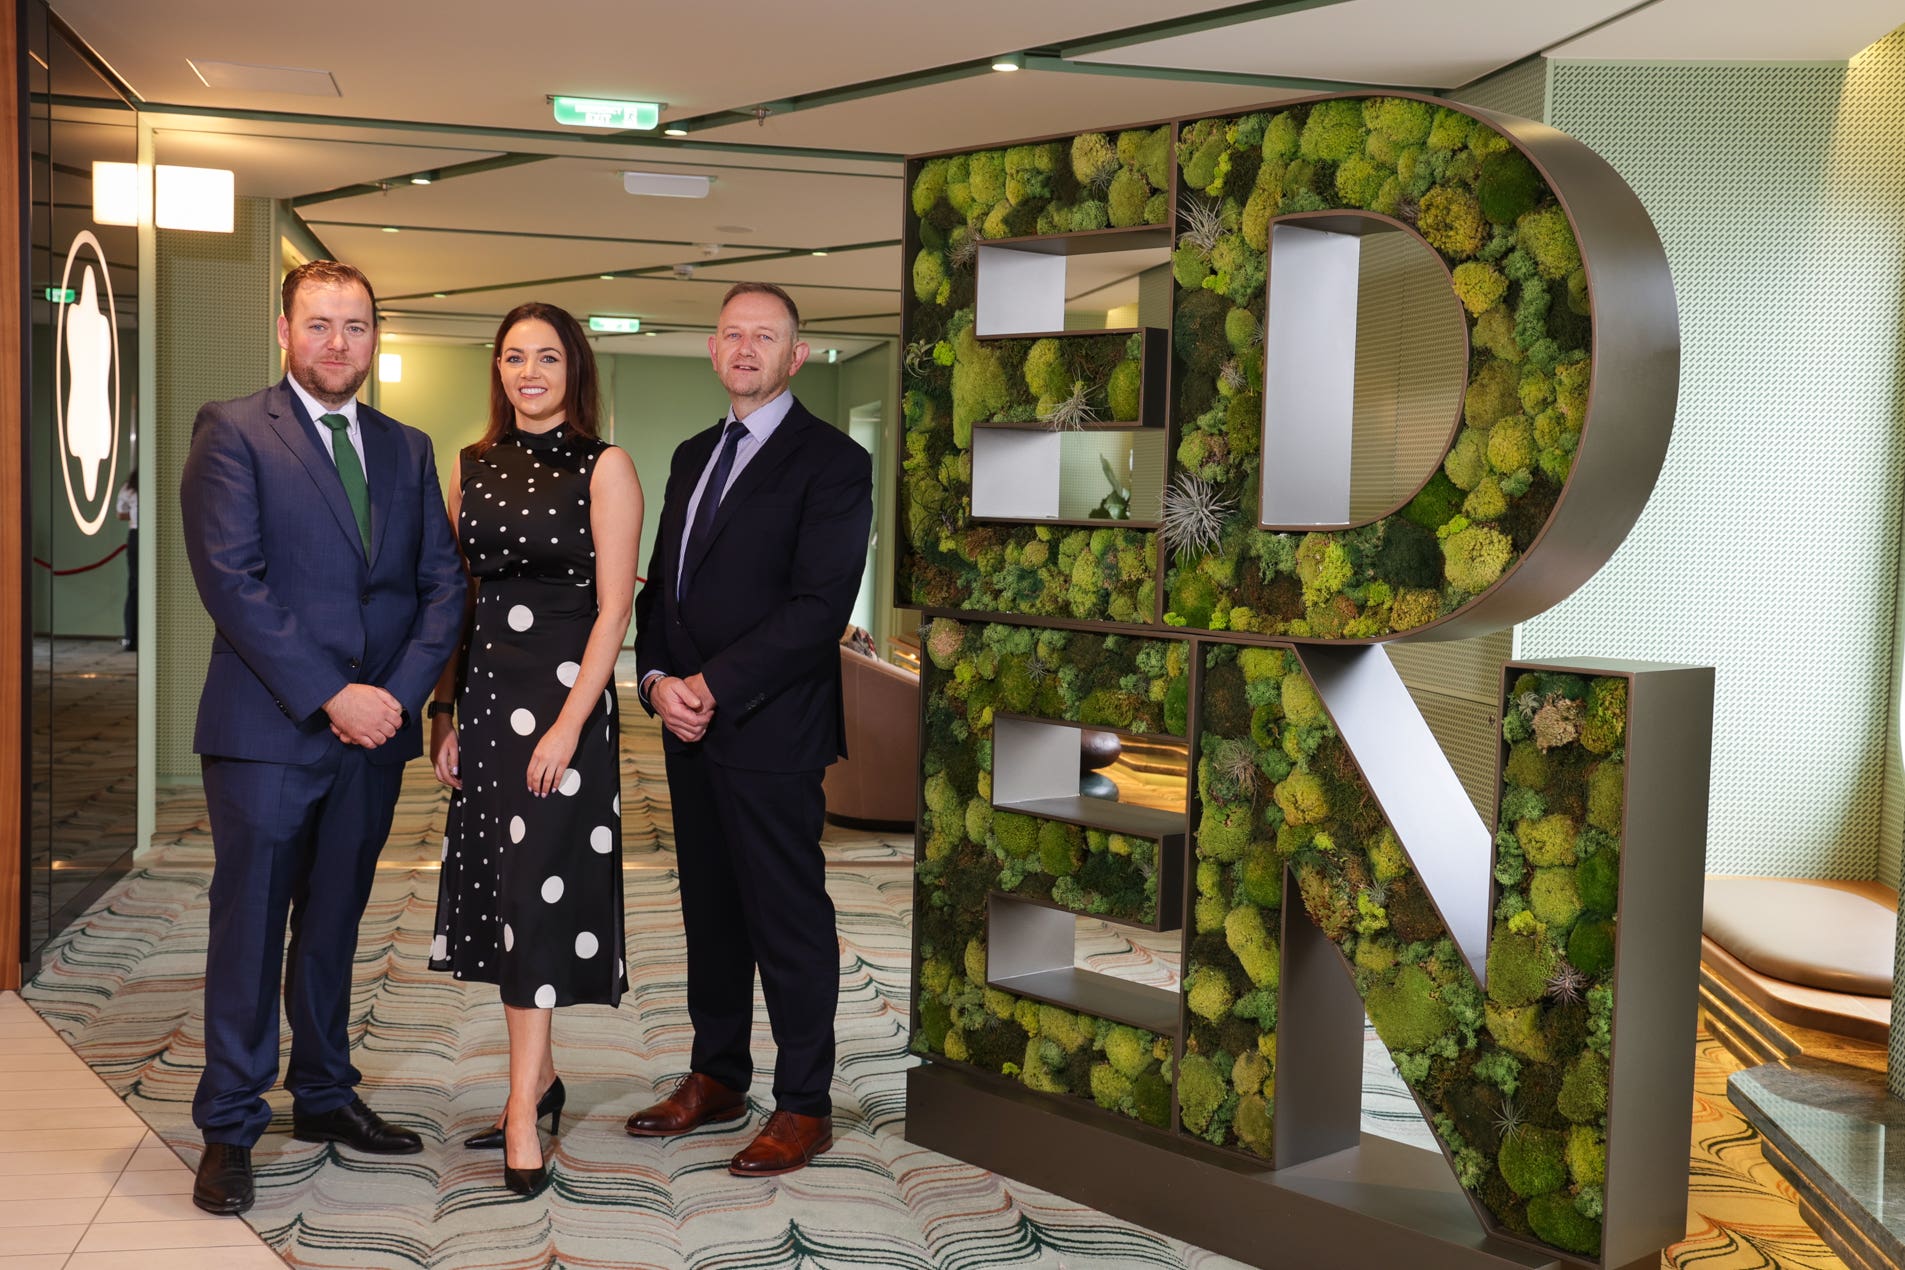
<point>710,501</point>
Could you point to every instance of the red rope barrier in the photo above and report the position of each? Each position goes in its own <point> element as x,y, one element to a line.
<point>85,568</point>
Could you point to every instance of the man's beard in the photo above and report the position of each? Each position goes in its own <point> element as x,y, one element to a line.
<point>342,384</point>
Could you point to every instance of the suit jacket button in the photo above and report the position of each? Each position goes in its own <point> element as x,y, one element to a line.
<point>364,599</point>
<point>353,663</point>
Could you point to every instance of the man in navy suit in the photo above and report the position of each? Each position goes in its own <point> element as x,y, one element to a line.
<point>762,542</point>
<point>321,549</point>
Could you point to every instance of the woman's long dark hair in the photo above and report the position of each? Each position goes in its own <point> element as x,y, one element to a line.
<point>581,400</point>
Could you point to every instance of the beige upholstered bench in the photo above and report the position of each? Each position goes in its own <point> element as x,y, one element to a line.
<point>1810,953</point>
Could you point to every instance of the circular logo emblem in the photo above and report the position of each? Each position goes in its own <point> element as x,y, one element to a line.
<point>86,383</point>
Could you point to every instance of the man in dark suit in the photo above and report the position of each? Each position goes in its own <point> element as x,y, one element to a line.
<point>762,542</point>
<point>319,543</point>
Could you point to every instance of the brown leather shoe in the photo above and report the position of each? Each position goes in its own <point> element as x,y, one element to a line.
<point>789,1141</point>
<point>697,1100</point>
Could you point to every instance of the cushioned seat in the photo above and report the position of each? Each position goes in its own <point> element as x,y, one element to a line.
<point>1803,932</point>
<point>877,784</point>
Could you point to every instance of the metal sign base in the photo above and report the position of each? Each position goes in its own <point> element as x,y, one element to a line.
<point>1379,1204</point>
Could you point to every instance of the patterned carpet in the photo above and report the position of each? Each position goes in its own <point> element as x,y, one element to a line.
<point>123,986</point>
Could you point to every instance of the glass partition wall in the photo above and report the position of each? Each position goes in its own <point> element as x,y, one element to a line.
<point>82,338</point>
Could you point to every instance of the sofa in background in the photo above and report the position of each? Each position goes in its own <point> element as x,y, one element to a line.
<point>877,785</point>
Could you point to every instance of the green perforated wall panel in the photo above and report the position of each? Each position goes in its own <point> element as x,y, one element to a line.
<point>1770,548</point>
<point>216,301</point>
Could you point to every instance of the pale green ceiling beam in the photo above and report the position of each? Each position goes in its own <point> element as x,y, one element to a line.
<point>1268,83</point>
<point>948,74</point>
<point>448,172</point>
<point>662,272</point>
<point>564,137</point>
<point>1189,24</point>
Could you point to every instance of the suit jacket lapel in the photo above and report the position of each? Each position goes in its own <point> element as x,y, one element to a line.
<point>380,466</point>
<point>300,434</point>
<point>766,462</point>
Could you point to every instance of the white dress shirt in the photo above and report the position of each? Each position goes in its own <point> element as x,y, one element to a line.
<point>318,409</point>
<point>758,427</point>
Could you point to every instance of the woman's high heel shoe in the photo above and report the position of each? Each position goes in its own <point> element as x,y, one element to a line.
<point>550,1104</point>
<point>530,1182</point>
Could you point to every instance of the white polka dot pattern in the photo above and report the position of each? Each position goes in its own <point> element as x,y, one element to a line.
<point>550,865</point>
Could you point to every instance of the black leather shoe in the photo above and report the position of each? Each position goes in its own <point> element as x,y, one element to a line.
<point>355,1125</point>
<point>224,1183</point>
<point>550,1104</point>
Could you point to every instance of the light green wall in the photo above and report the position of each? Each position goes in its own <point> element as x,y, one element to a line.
<point>871,377</point>
<point>213,328</point>
<point>444,393</point>
<point>658,402</point>
<point>1770,547</point>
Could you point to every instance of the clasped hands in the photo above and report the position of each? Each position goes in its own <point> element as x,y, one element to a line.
<point>685,705</point>
<point>364,714</point>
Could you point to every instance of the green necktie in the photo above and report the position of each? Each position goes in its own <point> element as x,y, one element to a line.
<point>350,470</point>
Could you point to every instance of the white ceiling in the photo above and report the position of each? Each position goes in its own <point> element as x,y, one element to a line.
<point>429,84</point>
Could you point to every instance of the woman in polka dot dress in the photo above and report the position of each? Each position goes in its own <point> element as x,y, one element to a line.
<point>549,517</point>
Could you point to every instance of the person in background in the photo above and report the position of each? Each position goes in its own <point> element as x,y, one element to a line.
<point>127,508</point>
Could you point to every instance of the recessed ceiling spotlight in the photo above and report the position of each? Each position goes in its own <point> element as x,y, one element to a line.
<point>817,253</point>
<point>833,355</point>
<point>390,229</point>
<point>606,277</point>
<point>674,130</point>
<point>651,334</point>
<point>1009,62</point>
<point>423,178</point>
<point>441,295</point>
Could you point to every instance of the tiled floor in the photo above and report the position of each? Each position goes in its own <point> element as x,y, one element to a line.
<point>83,1184</point>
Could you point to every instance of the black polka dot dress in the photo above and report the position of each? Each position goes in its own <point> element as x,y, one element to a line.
<point>531,890</point>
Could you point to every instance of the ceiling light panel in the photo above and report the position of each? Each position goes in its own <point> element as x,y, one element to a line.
<point>666,184</point>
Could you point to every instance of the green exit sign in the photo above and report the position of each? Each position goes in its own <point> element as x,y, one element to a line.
<point>615,325</point>
<point>594,112</point>
<point>58,296</point>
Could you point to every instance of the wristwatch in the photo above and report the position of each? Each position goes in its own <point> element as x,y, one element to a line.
<point>440,707</point>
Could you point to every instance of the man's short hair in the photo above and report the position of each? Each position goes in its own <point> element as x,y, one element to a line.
<point>764,288</point>
<point>326,273</point>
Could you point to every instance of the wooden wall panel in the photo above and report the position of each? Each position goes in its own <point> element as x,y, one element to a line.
<point>15,743</point>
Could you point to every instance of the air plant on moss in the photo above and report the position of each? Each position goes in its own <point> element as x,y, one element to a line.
<point>1231,376</point>
<point>919,355</point>
<point>964,251</point>
<point>1567,984</point>
<point>1074,412</point>
<point>1194,515</point>
<point>1510,1120</point>
<point>1203,225</point>
<point>1237,763</point>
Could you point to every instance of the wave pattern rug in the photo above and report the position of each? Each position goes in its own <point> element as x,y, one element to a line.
<point>123,986</point>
